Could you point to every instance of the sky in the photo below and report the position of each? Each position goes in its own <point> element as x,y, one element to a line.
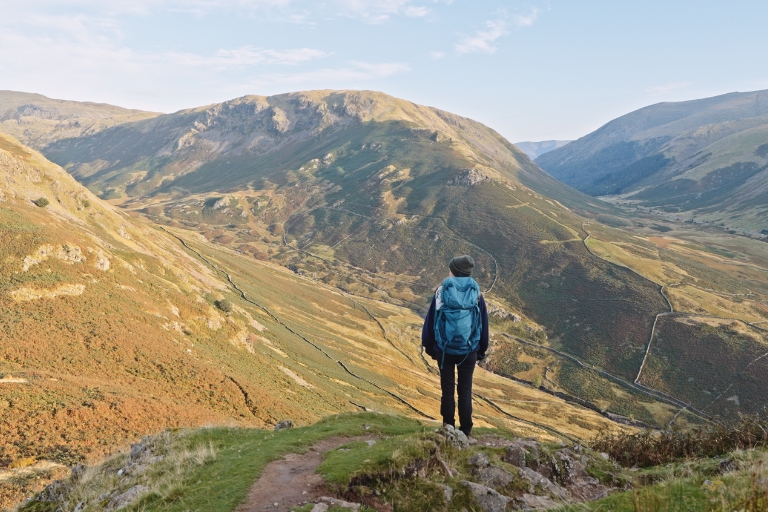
<point>537,70</point>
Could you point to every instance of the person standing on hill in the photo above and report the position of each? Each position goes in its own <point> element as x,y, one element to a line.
<point>455,334</point>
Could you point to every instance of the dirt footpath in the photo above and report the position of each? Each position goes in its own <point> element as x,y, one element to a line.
<point>292,481</point>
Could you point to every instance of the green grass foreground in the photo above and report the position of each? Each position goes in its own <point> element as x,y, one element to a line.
<point>212,469</point>
<point>242,454</point>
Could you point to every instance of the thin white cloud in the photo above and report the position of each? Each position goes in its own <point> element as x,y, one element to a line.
<point>98,63</point>
<point>663,89</point>
<point>245,56</point>
<point>295,11</point>
<point>379,11</point>
<point>482,41</point>
<point>437,55</point>
<point>414,11</point>
<point>80,52</point>
<point>526,20</point>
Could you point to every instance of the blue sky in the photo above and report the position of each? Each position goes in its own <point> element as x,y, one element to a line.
<point>535,70</point>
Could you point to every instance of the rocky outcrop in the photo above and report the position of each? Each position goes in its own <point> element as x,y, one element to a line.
<point>282,425</point>
<point>499,312</point>
<point>528,475</point>
<point>469,178</point>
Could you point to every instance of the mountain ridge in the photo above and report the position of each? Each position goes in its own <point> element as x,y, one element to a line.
<point>36,120</point>
<point>700,158</point>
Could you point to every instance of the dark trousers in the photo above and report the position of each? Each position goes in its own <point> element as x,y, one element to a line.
<point>466,367</point>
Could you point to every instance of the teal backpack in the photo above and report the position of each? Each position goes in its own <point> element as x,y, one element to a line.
<point>457,322</point>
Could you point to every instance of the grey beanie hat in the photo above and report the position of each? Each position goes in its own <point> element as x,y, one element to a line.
<point>461,266</point>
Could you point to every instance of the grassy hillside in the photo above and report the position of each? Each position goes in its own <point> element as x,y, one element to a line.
<point>703,159</point>
<point>37,121</point>
<point>113,328</point>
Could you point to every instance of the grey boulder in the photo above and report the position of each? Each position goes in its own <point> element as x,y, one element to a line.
<point>488,499</point>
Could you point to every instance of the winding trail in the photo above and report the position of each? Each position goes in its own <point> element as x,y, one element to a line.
<point>652,393</point>
<point>653,330</point>
<point>672,312</point>
<point>350,297</point>
<point>292,331</point>
<point>650,341</point>
<point>292,481</point>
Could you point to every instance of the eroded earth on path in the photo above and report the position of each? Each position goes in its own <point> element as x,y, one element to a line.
<point>292,481</point>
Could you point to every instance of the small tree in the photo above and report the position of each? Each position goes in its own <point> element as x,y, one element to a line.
<point>224,305</point>
<point>42,202</point>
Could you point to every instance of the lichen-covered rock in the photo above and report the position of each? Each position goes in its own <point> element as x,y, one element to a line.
<point>77,471</point>
<point>447,491</point>
<point>479,460</point>
<point>126,498</point>
<point>495,477</point>
<point>488,499</point>
<point>544,483</point>
<point>453,436</point>
<point>535,502</point>
<point>55,492</point>
<point>568,468</point>
<point>515,455</point>
<point>333,502</point>
<point>571,471</point>
<point>137,451</point>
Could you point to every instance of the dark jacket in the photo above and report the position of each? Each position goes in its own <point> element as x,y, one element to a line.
<point>428,332</point>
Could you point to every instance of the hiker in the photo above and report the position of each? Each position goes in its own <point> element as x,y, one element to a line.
<point>455,334</point>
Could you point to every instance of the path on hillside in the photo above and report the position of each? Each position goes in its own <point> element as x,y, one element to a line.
<point>490,402</point>
<point>292,481</point>
<point>652,393</point>
<point>294,332</point>
<point>333,263</point>
<point>671,311</point>
<point>655,394</point>
<point>637,386</point>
